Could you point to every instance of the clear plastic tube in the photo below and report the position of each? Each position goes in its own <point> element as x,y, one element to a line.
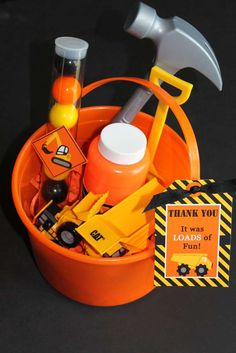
<point>67,82</point>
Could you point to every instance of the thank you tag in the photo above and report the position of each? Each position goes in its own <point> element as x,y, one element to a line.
<point>193,232</point>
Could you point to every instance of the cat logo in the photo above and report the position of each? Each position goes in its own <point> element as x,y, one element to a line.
<point>96,235</point>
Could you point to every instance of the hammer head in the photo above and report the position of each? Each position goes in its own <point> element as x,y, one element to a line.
<point>179,44</point>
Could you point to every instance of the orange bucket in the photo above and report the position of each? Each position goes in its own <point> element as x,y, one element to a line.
<point>104,281</point>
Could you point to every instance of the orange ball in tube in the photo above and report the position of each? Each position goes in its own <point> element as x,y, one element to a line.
<point>118,162</point>
<point>66,90</point>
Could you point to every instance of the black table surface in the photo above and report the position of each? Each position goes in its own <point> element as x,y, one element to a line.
<point>33,316</point>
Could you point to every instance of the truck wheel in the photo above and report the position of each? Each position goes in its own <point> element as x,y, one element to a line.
<point>183,270</point>
<point>67,235</point>
<point>201,270</point>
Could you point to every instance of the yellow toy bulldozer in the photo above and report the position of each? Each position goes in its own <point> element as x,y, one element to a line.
<point>123,229</point>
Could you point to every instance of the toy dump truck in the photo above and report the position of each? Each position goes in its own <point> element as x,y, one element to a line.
<point>186,261</point>
<point>123,229</point>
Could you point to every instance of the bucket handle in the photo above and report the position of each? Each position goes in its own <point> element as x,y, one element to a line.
<point>180,115</point>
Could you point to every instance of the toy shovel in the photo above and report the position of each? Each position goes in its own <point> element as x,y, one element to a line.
<point>157,76</point>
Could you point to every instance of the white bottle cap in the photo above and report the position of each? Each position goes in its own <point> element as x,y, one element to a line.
<point>71,48</point>
<point>122,143</point>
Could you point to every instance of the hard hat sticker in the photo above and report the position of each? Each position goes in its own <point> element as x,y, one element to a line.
<point>59,151</point>
<point>193,235</point>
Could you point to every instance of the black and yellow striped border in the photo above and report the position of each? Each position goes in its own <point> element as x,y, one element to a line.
<point>226,202</point>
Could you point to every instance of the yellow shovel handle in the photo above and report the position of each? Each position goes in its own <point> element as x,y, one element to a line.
<point>157,75</point>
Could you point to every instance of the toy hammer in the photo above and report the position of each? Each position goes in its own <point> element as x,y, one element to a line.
<point>179,45</point>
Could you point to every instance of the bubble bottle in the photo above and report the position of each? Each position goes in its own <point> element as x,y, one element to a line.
<point>118,162</point>
<point>67,83</point>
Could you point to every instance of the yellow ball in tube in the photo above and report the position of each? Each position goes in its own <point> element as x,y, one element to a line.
<point>63,115</point>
